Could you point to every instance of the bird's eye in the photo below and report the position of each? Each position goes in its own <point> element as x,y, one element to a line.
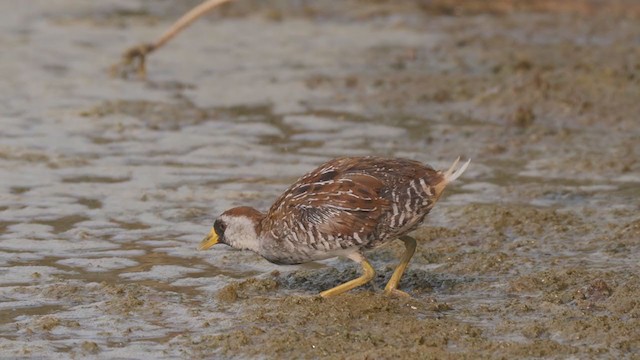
<point>219,227</point>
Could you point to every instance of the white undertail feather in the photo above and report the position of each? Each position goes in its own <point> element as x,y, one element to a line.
<point>450,175</point>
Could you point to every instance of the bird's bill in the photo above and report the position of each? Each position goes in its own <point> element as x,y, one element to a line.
<point>209,240</point>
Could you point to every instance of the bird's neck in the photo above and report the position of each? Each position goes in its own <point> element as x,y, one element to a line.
<point>246,233</point>
<point>248,241</point>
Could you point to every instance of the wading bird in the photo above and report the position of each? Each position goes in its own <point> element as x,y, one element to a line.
<point>342,208</point>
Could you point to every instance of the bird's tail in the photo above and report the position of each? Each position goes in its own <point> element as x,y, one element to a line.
<point>453,173</point>
<point>450,175</point>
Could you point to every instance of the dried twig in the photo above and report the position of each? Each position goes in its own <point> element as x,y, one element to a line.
<point>133,59</point>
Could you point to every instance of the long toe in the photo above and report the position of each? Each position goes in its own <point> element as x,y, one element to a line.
<point>396,293</point>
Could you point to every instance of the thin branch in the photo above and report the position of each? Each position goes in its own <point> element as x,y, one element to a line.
<point>133,59</point>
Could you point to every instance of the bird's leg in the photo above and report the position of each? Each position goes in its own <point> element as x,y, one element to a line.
<point>392,285</point>
<point>368,274</point>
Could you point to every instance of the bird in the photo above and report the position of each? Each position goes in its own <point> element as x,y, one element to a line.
<point>346,206</point>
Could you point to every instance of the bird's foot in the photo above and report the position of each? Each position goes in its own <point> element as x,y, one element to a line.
<point>396,293</point>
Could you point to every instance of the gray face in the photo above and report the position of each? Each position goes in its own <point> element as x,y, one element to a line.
<point>219,226</point>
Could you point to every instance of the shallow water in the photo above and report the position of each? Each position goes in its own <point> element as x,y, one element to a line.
<point>107,185</point>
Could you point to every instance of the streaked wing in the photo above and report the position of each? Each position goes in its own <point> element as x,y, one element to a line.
<point>339,209</point>
<point>347,208</point>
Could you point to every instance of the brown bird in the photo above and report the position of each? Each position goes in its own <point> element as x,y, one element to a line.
<point>342,208</point>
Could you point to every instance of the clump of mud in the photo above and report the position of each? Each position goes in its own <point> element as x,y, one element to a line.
<point>47,323</point>
<point>125,298</point>
<point>245,289</point>
<point>90,347</point>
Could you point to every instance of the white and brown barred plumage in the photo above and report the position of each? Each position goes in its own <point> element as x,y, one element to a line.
<point>345,206</point>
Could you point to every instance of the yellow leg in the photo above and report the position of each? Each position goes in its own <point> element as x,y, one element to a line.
<point>392,285</point>
<point>368,274</point>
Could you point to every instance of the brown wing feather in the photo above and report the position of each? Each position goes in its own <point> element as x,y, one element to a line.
<point>348,205</point>
<point>353,202</point>
<point>339,208</point>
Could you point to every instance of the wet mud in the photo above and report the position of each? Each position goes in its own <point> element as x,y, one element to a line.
<point>107,185</point>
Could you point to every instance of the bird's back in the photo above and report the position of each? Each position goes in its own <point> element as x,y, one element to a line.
<point>408,188</point>
<point>350,203</point>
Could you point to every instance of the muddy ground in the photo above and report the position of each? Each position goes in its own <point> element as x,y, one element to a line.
<point>108,184</point>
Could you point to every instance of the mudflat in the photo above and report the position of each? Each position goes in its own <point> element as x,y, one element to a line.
<point>107,185</point>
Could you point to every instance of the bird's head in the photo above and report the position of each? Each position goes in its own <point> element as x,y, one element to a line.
<point>238,227</point>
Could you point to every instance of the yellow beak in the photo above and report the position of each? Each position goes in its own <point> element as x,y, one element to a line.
<point>209,240</point>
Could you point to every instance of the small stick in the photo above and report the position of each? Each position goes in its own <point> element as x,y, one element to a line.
<point>137,54</point>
